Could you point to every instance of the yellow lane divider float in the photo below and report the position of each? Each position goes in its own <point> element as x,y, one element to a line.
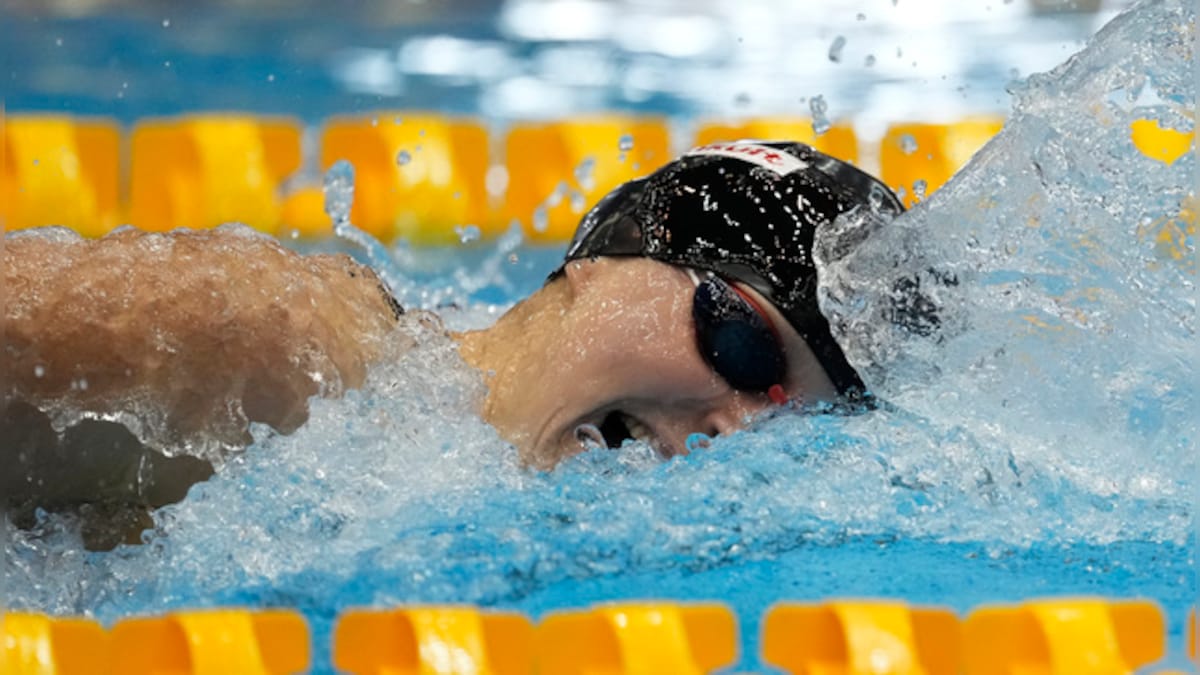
<point>32,644</point>
<point>202,171</point>
<point>916,159</point>
<point>424,177</point>
<point>556,171</point>
<point>1060,636</point>
<point>1063,636</point>
<point>62,171</point>
<point>432,640</point>
<point>862,637</point>
<point>638,639</point>
<point>416,176</point>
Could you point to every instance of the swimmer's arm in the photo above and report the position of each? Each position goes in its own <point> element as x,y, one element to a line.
<point>202,331</point>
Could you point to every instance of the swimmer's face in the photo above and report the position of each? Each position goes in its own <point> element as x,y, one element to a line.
<point>626,362</point>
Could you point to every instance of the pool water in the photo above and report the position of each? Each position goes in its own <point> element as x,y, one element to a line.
<point>1038,440</point>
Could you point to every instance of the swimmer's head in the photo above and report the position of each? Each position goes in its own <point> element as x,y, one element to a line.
<point>747,212</point>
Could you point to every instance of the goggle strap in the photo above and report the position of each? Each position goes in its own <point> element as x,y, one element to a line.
<point>758,309</point>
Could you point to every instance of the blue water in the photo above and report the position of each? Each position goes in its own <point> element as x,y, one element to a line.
<point>1041,441</point>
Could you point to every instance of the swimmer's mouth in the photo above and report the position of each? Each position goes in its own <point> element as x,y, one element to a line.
<point>618,427</point>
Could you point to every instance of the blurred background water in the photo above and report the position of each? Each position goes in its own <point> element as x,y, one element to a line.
<point>872,60</point>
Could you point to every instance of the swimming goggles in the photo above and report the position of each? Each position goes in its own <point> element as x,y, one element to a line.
<point>736,337</point>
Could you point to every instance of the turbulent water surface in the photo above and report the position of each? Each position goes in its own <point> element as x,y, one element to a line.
<point>1038,436</point>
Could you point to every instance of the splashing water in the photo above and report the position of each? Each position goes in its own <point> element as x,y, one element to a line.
<point>339,199</point>
<point>1034,437</point>
<point>1032,298</point>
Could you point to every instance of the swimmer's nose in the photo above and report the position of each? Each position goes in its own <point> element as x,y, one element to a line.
<point>732,416</point>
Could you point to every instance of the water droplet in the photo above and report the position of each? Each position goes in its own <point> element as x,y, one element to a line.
<point>742,100</point>
<point>403,157</point>
<point>585,173</point>
<point>899,52</point>
<point>541,219</point>
<point>496,180</point>
<point>513,258</point>
<point>271,77</point>
<point>397,120</point>
<point>697,441</point>
<point>908,144</point>
<point>869,61</point>
<point>556,197</point>
<point>58,42</point>
<point>468,233</point>
<point>39,371</point>
<point>166,64</point>
<point>625,143</point>
<point>919,187</point>
<point>166,23</point>
<point>819,107</point>
<point>835,49</point>
<point>578,201</point>
<point>374,121</point>
<point>860,16</point>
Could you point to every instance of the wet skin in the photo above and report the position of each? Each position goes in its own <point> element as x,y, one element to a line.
<point>616,335</point>
<point>218,330</point>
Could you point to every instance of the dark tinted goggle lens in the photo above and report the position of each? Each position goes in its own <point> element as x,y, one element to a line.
<point>735,339</point>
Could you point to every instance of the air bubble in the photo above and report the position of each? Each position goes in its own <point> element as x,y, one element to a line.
<point>835,49</point>
<point>908,144</point>
<point>403,157</point>
<point>869,61</point>
<point>625,143</point>
<point>919,187</point>
<point>39,371</point>
<point>585,173</point>
<point>697,441</point>
<point>467,233</point>
<point>818,107</point>
<point>541,219</point>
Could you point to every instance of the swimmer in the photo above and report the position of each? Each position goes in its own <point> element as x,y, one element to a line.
<point>686,303</point>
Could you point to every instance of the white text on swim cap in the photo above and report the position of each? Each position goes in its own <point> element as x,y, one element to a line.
<point>779,161</point>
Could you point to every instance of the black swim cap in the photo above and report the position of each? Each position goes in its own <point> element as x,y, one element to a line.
<point>748,211</point>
